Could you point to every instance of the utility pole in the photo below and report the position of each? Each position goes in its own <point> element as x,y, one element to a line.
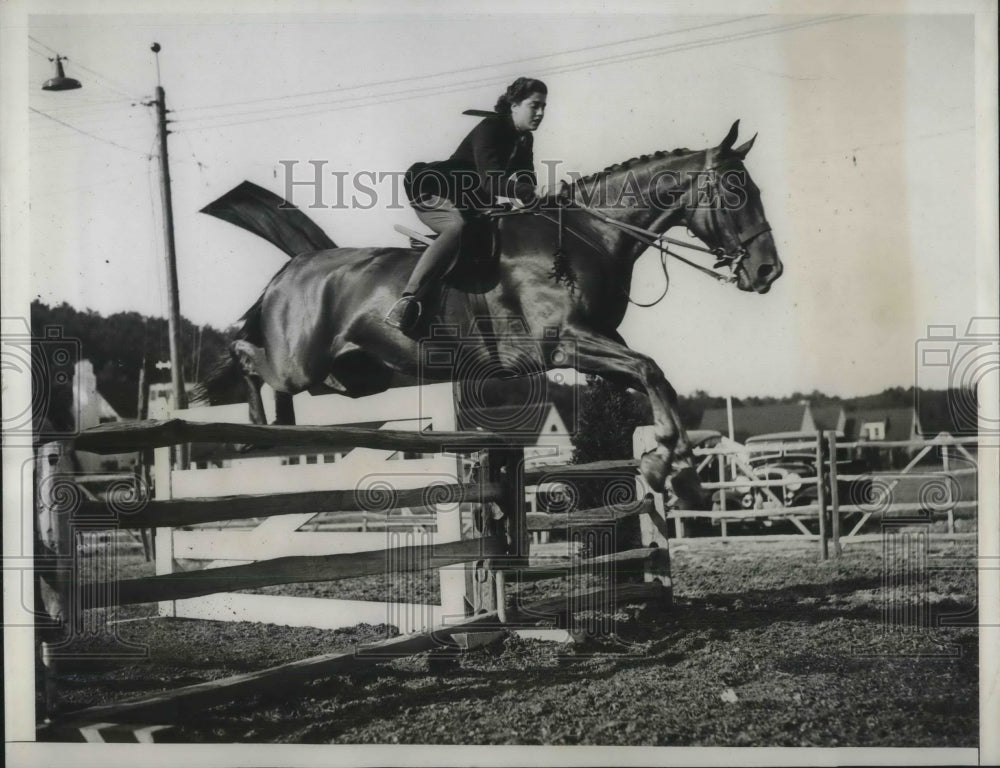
<point>173,294</point>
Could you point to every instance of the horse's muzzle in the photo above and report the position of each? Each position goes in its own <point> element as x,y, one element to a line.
<point>766,275</point>
<point>761,268</point>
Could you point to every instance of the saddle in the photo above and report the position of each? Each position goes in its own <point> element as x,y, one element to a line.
<point>476,268</point>
<point>475,271</point>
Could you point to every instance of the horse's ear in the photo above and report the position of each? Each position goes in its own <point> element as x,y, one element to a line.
<point>742,150</point>
<point>727,143</point>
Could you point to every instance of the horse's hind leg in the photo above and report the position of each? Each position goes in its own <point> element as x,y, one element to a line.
<point>284,411</point>
<point>252,360</point>
<point>255,403</point>
<point>254,400</point>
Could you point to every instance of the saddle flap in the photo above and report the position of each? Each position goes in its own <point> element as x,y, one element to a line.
<point>418,241</point>
<point>478,258</point>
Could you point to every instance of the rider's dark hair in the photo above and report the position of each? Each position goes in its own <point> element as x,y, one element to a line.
<point>517,92</point>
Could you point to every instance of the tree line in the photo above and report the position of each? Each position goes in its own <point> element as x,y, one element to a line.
<point>120,345</point>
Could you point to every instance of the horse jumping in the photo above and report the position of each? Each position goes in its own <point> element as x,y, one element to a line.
<point>318,326</point>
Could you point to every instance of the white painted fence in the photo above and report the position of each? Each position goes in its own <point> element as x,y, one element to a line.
<point>411,408</point>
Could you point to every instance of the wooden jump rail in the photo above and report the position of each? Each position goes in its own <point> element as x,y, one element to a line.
<point>169,706</point>
<point>502,547</point>
<point>136,435</point>
<point>181,512</point>
<point>299,569</point>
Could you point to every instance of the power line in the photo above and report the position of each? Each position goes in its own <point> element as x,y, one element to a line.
<point>375,100</point>
<point>425,90</point>
<point>201,166</point>
<point>80,188</point>
<point>438,88</point>
<point>448,73</point>
<point>42,142</point>
<point>91,106</point>
<point>43,54</point>
<point>386,98</point>
<point>86,133</point>
<point>121,124</point>
<point>80,147</point>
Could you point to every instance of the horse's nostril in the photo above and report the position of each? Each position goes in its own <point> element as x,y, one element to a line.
<point>764,271</point>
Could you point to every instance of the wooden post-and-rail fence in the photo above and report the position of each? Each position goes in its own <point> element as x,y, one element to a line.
<point>880,500</point>
<point>498,552</point>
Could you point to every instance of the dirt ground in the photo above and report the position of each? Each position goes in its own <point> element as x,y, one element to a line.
<point>764,646</point>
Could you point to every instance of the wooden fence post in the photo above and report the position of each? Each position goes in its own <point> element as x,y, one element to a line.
<point>722,494</point>
<point>821,497</point>
<point>56,500</point>
<point>949,500</point>
<point>834,496</point>
<point>514,504</point>
<point>514,507</point>
<point>484,583</point>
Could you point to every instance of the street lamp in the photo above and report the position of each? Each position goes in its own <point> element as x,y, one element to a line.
<point>60,82</point>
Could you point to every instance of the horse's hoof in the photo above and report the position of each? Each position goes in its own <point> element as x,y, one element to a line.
<point>687,486</point>
<point>653,467</point>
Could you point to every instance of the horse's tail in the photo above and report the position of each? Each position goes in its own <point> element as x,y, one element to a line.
<point>267,215</point>
<point>251,329</point>
<point>224,383</point>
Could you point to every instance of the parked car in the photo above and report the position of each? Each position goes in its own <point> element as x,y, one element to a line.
<point>788,461</point>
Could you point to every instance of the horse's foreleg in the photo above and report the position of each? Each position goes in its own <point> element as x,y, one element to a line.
<point>671,459</point>
<point>284,410</point>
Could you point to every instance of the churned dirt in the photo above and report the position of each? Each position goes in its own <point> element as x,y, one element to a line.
<point>764,646</point>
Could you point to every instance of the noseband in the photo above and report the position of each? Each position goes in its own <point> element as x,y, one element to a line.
<point>738,239</point>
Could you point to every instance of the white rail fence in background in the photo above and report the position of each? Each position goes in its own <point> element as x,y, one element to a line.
<point>916,493</point>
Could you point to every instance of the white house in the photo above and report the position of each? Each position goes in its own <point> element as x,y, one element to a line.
<point>91,409</point>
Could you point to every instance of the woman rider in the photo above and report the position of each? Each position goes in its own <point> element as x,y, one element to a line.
<point>494,160</point>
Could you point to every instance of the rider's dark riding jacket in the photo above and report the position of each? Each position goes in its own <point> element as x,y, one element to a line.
<point>495,159</point>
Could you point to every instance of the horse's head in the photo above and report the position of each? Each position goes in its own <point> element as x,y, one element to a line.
<point>724,211</point>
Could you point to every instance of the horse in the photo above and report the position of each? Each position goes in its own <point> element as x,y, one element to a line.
<point>553,297</point>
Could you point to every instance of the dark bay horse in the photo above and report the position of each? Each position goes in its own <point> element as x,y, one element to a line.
<point>318,325</point>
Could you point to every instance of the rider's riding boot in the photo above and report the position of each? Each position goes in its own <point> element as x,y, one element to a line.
<point>404,314</point>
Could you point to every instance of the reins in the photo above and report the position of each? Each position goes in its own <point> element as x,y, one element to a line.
<point>651,239</point>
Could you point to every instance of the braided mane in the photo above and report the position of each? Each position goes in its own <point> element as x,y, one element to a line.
<point>562,270</point>
<point>631,163</point>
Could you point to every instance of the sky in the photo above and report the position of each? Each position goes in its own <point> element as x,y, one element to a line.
<point>876,157</point>
<point>865,156</point>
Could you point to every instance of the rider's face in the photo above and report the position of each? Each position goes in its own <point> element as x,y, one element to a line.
<point>528,114</point>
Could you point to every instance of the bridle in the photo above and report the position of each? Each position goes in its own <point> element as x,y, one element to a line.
<point>736,249</point>
<point>730,254</point>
